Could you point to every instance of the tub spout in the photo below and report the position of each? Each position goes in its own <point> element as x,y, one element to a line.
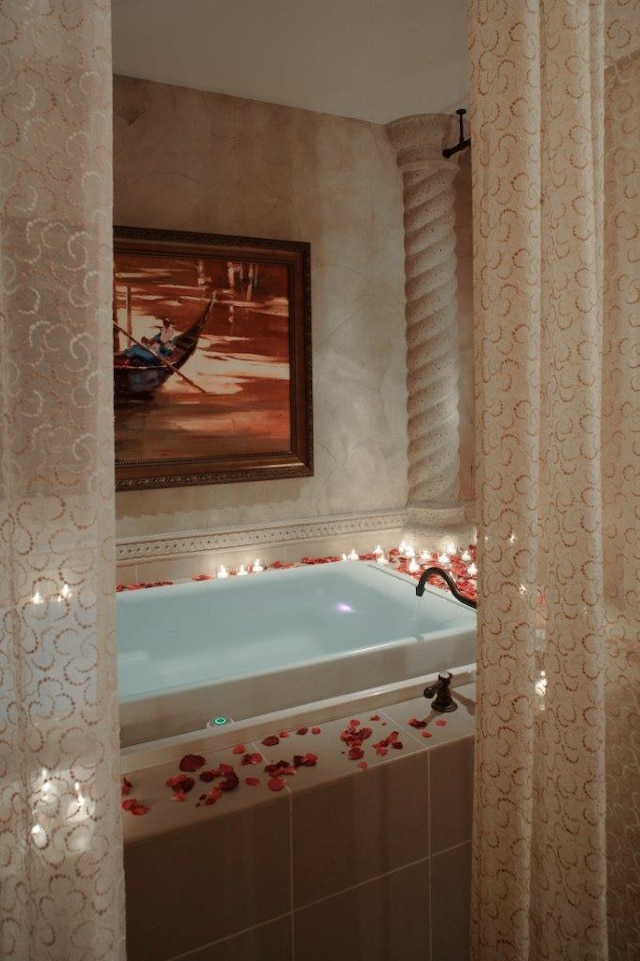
<point>448,580</point>
<point>443,703</point>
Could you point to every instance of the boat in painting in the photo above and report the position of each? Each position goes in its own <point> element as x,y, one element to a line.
<point>137,380</point>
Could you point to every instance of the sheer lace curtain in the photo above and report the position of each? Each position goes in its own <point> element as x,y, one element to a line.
<point>555,143</point>
<point>61,879</point>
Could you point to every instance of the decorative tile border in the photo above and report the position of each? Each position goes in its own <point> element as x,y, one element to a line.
<point>161,546</point>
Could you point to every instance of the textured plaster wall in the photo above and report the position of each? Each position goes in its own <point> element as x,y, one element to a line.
<point>190,160</point>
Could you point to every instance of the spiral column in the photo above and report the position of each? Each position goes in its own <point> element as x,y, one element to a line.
<point>433,505</point>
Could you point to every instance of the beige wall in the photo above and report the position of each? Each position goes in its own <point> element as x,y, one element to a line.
<point>185,159</point>
<point>190,160</point>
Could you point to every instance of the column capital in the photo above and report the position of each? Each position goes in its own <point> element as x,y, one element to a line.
<point>420,139</point>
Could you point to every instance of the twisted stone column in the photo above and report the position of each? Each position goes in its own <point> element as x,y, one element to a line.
<point>432,335</point>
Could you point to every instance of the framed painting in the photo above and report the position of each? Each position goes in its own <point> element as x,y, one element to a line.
<point>211,359</point>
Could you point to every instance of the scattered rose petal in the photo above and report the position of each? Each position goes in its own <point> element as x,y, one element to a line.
<point>229,782</point>
<point>125,787</point>
<point>239,749</point>
<point>180,782</point>
<point>427,734</point>
<point>252,781</point>
<point>251,759</point>
<point>279,768</point>
<point>363,765</point>
<point>284,734</point>
<point>275,783</point>
<point>354,722</point>
<point>316,730</point>
<point>441,722</point>
<point>207,776</point>
<point>271,740</point>
<point>374,717</point>
<point>398,745</point>
<point>192,762</point>
<point>302,730</point>
<point>133,806</point>
<point>179,796</point>
<point>355,753</point>
<point>305,760</point>
<point>414,722</point>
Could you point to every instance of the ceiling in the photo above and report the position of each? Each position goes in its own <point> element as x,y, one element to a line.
<point>373,60</point>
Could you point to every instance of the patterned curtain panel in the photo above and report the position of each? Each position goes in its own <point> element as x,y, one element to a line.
<point>61,879</point>
<point>558,337</point>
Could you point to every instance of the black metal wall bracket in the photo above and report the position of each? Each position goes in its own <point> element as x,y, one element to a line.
<point>462,143</point>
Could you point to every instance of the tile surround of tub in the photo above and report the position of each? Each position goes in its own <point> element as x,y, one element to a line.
<point>339,845</point>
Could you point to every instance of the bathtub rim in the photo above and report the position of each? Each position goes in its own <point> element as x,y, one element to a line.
<point>163,750</point>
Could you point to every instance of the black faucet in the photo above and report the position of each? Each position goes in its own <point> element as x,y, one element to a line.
<point>449,580</point>
<point>443,703</point>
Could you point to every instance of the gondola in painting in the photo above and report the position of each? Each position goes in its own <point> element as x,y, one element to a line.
<point>211,359</point>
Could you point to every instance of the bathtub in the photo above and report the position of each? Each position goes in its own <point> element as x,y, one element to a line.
<point>220,654</point>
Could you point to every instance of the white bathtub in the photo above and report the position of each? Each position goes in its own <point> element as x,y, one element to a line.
<point>245,647</point>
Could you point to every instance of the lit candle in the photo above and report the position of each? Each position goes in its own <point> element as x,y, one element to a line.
<point>443,559</point>
<point>409,551</point>
<point>381,559</point>
<point>465,557</point>
<point>242,570</point>
<point>451,549</point>
<point>378,551</point>
<point>402,547</point>
<point>414,567</point>
<point>344,557</point>
<point>37,598</point>
<point>223,572</point>
<point>257,567</point>
<point>353,555</point>
<point>472,570</point>
<point>425,555</point>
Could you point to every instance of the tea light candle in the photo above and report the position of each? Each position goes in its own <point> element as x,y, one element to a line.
<point>472,570</point>
<point>242,570</point>
<point>414,567</point>
<point>465,557</point>
<point>381,559</point>
<point>353,555</point>
<point>257,567</point>
<point>444,559</point>
<point>378,551</point>
<point>223,572</point>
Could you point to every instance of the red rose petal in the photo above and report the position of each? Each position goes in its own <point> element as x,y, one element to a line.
<point>252,781</point>
<point>207,776</point>
<point>305,760</point>
<point>441,722</point>
<point>230,782</point>
<point>316,730</point>
<point>363,765</point>
<point>251,759</point>
<point>427,734</point>
<point>239,749</point>
<point>192,762</point>
<point>398,745</point>
<point>125,786</point>
<point>180,782</point>
<point>354,722</point>
<point>133,806</point>
<point>414,722</point>
<point>302,730</point>
<point>284,734</point>
<point>271,740</point>
<point>355,753</point>
<point>275,783</point>
<point>179,796</point>
<point>374,717</point>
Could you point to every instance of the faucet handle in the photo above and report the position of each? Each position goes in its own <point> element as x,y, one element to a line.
<point>444,702</point>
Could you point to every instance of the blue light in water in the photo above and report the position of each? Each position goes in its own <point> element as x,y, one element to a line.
<point>219,720</point>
